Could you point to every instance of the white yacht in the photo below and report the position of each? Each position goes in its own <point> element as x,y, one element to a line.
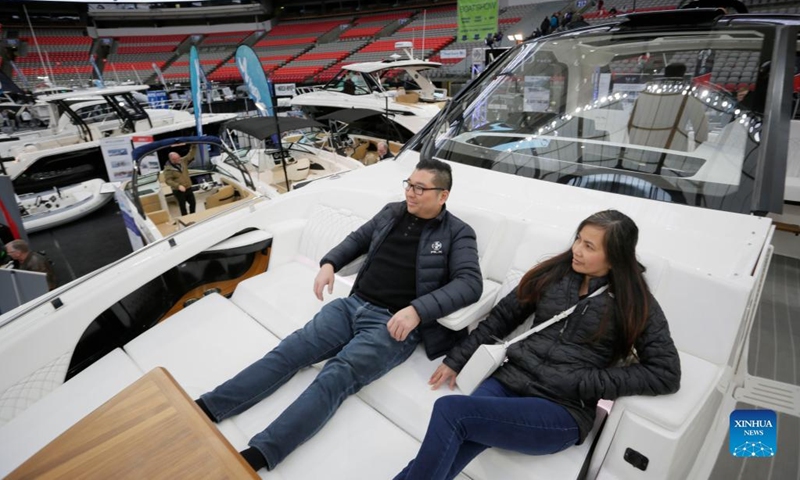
<point>537,142</point>
<point>45,164</point>
<point>148,201</point>
<point>309,150</point>
<point>394,87</point>
<point>75,117</point>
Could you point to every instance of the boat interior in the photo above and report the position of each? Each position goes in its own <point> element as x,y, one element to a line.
<point>214,193</point>
<point>226,325</point>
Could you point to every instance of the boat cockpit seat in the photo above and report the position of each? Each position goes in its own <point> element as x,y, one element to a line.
<point>163,221</point>
<point>151,202</point>
<point>410,97</point>
<point>297,248</point>
<point>370,158</point>
<point>360,151</point>
<point>226,194</point>
<point>212,340</point>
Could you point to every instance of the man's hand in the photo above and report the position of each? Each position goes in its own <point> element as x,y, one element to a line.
<point>443,374</point>
<point>403,323</point>
<point>324,277</point>
<point>181,188</point>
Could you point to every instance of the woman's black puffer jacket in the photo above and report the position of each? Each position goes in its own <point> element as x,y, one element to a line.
<point>562,363</point>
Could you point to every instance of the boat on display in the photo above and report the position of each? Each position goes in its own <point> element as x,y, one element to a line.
<point>539,141</point>
<point>308,150</point>
<point>413,99</point>
<point>44,164</point>
<point>148,200</point>
<point>62,205</point>
<point>81,116</point>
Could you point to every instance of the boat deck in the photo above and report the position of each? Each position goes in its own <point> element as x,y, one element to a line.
<point>99,239</point>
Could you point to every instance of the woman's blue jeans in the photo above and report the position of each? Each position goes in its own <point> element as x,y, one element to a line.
<point>352,334</point>
<point>462,426</point>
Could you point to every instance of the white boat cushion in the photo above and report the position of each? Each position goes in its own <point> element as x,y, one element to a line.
<point>51,416</point>
<point>30,389</point>
<point>495,463</point>
<point>212,340</point>
<point>282,298</point>
<point>673,412</point>
<point>202,345</point>
<point>357,442</point>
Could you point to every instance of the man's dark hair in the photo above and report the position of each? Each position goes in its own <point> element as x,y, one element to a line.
<point>675,70</point>
<point>442,174</point>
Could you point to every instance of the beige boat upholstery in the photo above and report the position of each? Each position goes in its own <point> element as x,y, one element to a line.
<point>226,194</point>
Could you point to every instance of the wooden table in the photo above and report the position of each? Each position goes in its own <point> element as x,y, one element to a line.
<point>150,430</point>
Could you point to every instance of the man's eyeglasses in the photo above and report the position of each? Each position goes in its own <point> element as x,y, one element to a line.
<point>418,189</point>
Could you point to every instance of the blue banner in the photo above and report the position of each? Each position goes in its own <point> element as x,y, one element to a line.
<point>253,75</point>
<point>194,77</point>
<point>157,99</point>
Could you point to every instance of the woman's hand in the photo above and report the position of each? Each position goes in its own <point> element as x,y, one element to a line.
<point>441,375</point>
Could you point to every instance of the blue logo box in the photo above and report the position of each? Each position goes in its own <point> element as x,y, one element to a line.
<point>753,433</point>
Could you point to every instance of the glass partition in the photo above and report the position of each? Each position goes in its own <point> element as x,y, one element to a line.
<point>648,115</point>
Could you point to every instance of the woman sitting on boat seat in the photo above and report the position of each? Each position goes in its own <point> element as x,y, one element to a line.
<point>543,399</point>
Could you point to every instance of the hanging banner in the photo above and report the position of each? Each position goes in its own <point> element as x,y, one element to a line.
<point>194,78</point>
<point>476,19</point>
<point>148,164</point>
<point>258,87</point>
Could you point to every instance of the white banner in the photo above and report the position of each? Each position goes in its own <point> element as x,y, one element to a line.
<point>117,155</point>
<point>284,89</point>
<point>148,164</point>
<point>460,53</point>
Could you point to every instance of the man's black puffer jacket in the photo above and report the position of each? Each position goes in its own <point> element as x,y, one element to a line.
<point>561,364</point>
<point>448,272</point>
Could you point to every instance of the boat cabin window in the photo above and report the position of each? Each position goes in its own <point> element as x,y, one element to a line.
<point>381,128</point>
<point>399,78</point>
<point>649,115</point>
<point>353,83</point>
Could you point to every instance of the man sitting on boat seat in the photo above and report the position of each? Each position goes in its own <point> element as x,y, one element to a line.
<point>383,151</point>
<point>25,259</point>
<point>176,176</point>
<point>421,264</point>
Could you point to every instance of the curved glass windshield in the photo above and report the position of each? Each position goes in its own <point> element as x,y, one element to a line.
<point>648,115</point>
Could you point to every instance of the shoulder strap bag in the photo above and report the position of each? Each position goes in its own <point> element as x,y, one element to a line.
<point>487,358</point>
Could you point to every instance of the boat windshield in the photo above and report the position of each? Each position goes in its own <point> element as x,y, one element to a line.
<point>353,83</point>
<point>648,115</point>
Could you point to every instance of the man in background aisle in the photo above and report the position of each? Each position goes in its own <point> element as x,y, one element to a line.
<point>176,176</point>
<point>25,259</point>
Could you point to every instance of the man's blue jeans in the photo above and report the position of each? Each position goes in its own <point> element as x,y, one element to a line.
<point>352,334</point>
<point>463,426</point>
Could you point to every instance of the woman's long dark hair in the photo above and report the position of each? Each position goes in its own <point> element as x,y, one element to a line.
<point>626,279</point>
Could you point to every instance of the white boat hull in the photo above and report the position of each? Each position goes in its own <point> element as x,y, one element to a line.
<point>59,206</point>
